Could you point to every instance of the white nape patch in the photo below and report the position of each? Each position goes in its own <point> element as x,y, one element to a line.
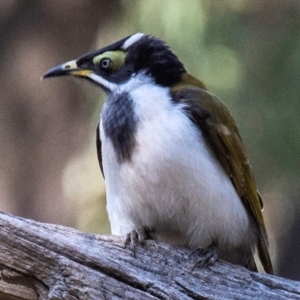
<point>134,38</point>
<point>106,84</point>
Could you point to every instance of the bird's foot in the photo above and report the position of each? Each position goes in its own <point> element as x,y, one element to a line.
<point>137,237</point>
<point>208,256</point>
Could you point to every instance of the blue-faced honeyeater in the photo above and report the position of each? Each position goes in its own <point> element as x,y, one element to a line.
<point>173,160</point>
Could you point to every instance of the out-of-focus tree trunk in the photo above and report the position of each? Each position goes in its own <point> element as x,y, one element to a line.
<point>38,120</point>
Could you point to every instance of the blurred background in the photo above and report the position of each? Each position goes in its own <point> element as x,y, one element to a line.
<point>246,51</point>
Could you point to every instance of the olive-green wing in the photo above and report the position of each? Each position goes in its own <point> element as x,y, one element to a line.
<point>220,131</point>
<point>99,150</point>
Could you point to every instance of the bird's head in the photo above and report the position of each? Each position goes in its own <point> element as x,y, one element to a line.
<point>116,64</point>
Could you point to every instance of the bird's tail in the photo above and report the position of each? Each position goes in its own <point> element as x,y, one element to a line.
<point>264,255</point>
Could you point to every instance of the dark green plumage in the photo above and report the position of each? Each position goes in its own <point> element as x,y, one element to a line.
<point>219,128</point>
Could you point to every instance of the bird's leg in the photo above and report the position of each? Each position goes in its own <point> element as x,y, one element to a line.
<point>137,237</point>
<point>208,256</point>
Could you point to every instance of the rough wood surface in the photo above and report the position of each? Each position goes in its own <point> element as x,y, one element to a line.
<point>45,261</point>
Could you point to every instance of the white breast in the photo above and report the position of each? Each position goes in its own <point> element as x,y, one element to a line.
<point>174,183</point>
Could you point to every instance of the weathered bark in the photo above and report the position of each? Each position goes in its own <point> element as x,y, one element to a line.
<point>45,261</point>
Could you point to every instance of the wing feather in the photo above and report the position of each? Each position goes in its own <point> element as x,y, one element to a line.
<point>99,151</point>
<point>211,116</point>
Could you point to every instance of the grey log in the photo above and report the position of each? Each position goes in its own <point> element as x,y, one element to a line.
<point>46,261</point>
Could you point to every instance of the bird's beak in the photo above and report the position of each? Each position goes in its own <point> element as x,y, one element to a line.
<point>68,68</point>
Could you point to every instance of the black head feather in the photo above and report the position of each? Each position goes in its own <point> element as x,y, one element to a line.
<point>157,59</point>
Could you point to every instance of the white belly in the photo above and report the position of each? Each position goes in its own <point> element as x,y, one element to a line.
<point>173,184</point>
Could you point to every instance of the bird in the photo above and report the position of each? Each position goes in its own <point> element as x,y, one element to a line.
<point>174,163</point>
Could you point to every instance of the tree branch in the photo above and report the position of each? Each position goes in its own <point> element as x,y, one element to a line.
<point>45,261</point>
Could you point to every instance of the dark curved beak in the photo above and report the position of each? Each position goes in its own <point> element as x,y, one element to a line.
<point>68,68</point>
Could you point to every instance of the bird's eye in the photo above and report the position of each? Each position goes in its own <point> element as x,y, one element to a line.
<point>105,63</point>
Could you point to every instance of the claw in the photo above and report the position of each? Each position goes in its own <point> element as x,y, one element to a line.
<point>137,237</point>
<point>208,255</point>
